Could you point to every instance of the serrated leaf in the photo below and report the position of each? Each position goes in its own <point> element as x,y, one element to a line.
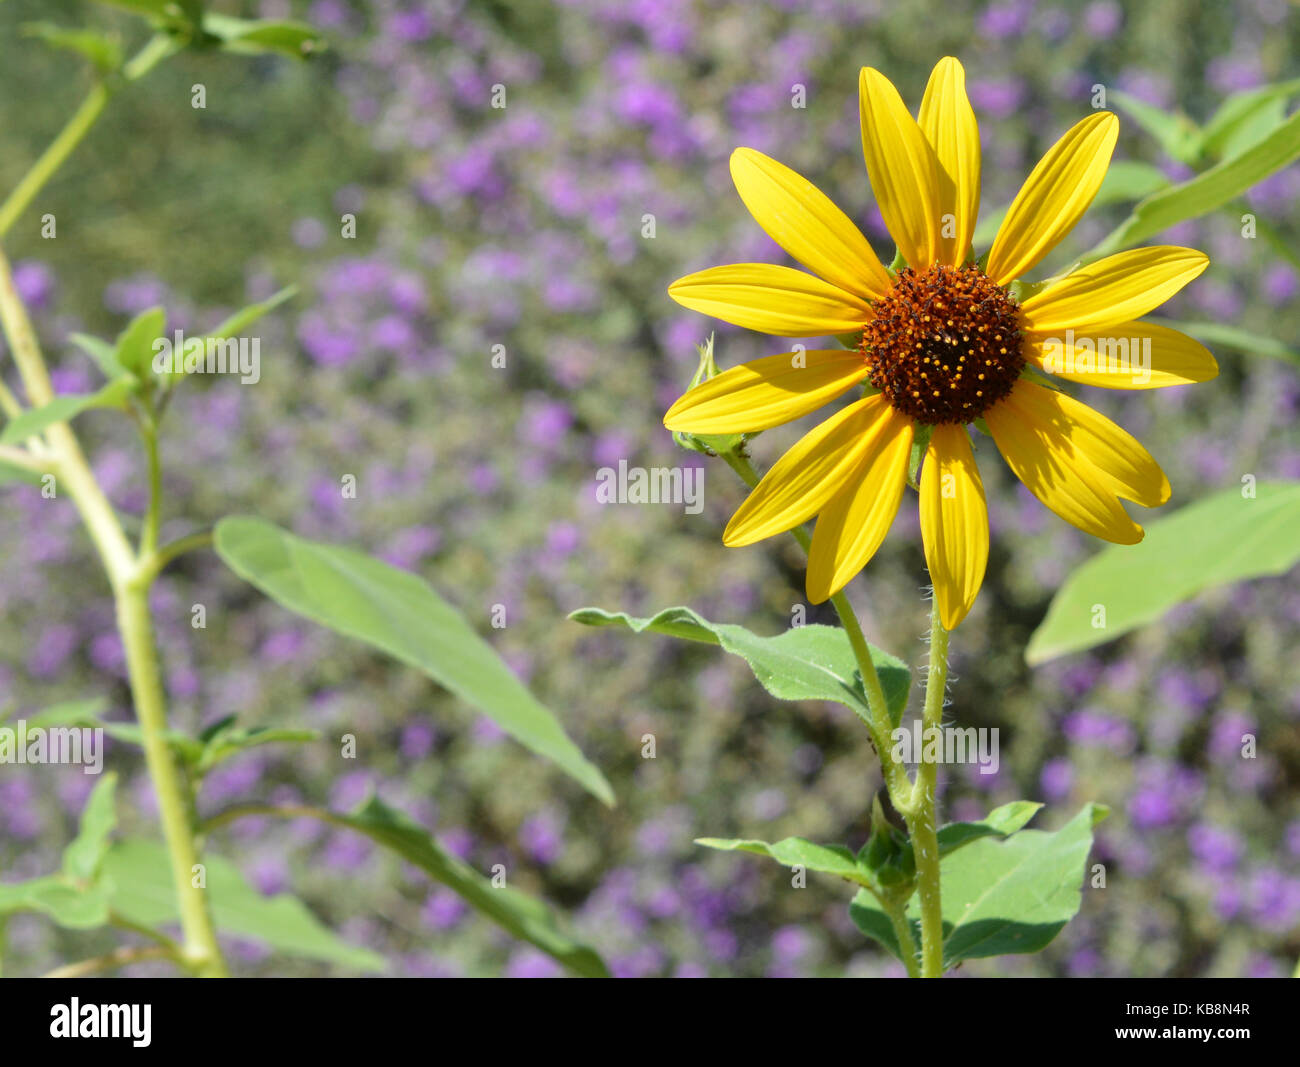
<point>1000,822</point>
<point>62,408</point>
<point>138,873</point>
<point>521,915</point>
<point>798,852</point>
<point>81,859</point>
<point>1000,897</point>
<point>803,663</point>
<point>401,615</point>
<point>1224,538</point>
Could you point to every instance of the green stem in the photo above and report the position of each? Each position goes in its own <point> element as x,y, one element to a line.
<point>157,49</point>
<point>897,912</point>
<point>153,510</point>
<point>129,578</point>
<point>921,817</point>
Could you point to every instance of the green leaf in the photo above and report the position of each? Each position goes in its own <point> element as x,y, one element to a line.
<point>245,317</point>
<point>104,52</point>
<point>102,353</point>
<point>230,742</point>
<point>1224,538</point>
<point>399,614</point>
<point>1000,822</point>
<point>82,858</point>
<point>521,915</point>
<point>1177,135</point>
<point>134,349</point>
<point>1246,118</point>
<point>1125,181</point>
<point>62,408</point>
<point>139,874</point>
<point>68,905</point>
<point>1205,192</point>
<point>797,852</point>
<point>1000,897</point>
<point>803,663</point>
<point>1217,333</point>
<point>67,712</point>
<point>261,36</point>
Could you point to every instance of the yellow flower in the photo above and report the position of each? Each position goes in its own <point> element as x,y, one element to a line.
<point>940,343</point>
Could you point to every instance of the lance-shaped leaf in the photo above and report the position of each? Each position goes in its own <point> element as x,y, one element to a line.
<point>1208,190</point>
<point>803,663</point>
<point>1227,537</point>
<point>399,614</point>
<point>62,408</point>
<point>1000,897</point>
<point>518,913</point>
<point>797,852</point>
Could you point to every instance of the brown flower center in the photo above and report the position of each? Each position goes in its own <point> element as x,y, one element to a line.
<point>944,345</point>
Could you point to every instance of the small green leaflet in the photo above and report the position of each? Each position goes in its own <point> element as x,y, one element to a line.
<point>62,408</point>
<point>401,615</point>
<point>804,663</point>
<point>797,852</point>
<point>1227,537</point>
<point>1000,822</point>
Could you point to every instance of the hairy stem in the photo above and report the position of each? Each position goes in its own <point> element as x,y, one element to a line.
<point>921,815</point>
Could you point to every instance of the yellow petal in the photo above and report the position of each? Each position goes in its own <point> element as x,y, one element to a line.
<point>1113,290</point>
<point>801,219</point>
<point>1054,197</point>
<point>1041,455</point>
<point>766,392</point>
<point>903,169</point>
<point>853,524</point>
<point>1132,355</point>
<point>771,299</point>
<point>948,122</point>
<point>806,477</point>
<point>1117,454</point>
<point>954,522</point>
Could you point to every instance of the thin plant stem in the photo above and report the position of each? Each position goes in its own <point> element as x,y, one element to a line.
<point>129,577</point>
<point>921,818</point>
<point>111,961</point>
<point>897,912</point>
<point>74,131</point>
